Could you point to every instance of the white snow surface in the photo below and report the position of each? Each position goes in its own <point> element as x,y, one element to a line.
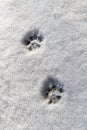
<point>62,55</point>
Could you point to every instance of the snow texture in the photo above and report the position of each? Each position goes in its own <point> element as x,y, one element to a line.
<point>62,55</point>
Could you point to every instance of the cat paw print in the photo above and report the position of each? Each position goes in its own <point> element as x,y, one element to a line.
<point>52,90</point>
<point>33,39</point>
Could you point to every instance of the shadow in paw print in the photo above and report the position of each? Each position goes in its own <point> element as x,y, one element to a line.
<point>52,89</point>
<point>32,39</point>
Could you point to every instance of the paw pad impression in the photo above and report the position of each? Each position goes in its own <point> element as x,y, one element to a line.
<point>33,39</point>
<point>51,90</point>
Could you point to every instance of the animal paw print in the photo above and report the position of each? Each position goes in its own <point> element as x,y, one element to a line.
<point>52,90</point>
<point>33,39</point>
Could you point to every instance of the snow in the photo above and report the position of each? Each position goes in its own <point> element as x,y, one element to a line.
<point>62,55</point>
